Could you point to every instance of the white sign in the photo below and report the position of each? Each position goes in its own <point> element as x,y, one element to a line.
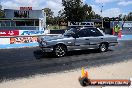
<point>81,24</point>
<point>120,86</point>
<point>127,25</point>
<point>4,41</point>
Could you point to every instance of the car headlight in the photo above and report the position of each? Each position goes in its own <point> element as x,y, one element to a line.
<point>44,43</point>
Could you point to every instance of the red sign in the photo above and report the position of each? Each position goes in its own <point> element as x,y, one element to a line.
<point>9,32</point>
<point>19,40</point>
<point>25,8</point>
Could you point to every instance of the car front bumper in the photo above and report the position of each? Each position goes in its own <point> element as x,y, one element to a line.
<point>45,48</point>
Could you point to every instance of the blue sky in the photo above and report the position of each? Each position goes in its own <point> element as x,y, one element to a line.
<point>111,8</point>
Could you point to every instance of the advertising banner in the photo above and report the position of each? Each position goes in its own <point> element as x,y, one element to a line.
<point>98,24</point>
<point>4,41</point>
<point>9,32</point>
<point>20,40</point>
<point>30,32</point>
<point>63,23</point>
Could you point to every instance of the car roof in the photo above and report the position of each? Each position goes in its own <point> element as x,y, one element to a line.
<point>81,28</point>
<point>87,27</point>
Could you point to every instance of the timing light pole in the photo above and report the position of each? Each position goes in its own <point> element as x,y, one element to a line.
<point>102,15</point>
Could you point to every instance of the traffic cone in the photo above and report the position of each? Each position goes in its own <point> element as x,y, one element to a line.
<point>83,74</point>
<point>86,74</point>
<point>119,34</point>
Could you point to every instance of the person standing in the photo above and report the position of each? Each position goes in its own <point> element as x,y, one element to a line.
<point>117,29</point>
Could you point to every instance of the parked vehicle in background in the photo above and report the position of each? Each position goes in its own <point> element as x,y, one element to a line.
<point>77,39</point>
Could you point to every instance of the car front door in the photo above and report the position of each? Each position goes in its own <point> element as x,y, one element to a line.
<point>82,42</point>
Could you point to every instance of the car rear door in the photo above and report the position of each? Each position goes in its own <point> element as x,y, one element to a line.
<point>95,37</point>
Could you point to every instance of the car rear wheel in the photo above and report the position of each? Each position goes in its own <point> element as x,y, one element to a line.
<point>60,50</point>
<point>103,47</point>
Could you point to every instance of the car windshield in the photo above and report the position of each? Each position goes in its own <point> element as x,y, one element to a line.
<point>70,32</point>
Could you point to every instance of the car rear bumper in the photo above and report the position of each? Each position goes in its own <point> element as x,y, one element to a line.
<point>113,44</point>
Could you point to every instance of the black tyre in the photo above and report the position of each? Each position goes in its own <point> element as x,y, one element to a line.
<point>60,50</point>
<point>84,81</point>
<point>103,47</point>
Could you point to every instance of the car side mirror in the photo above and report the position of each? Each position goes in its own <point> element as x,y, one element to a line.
<point>75,36</point>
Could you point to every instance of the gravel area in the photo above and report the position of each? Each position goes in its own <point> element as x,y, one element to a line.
<point>69,79</point>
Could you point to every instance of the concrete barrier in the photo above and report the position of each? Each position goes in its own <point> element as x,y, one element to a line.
<point>5,41</point>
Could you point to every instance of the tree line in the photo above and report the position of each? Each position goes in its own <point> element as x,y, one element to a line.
<point>74,10</point>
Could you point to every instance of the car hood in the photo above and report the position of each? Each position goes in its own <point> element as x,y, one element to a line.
<point>107,35</point>
<point>51,37</point>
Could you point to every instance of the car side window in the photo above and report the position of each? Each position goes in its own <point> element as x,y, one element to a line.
<point>82,33</point>
<point>94,32</point>
<point>89,32</point>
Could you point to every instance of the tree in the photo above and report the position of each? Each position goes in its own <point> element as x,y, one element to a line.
<point>75,10</point>
<point>49,15</point>
<point>2,15</point>
<point>61,15</point>
<point>88,11</point>
<point>128,17</point>
<point>97,16</point>
<point>120,16</point>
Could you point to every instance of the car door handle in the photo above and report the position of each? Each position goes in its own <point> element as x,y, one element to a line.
<point>86,39</point>
<point>102,38</point>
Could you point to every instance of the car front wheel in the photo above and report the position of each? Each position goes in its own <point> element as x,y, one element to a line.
<point>60,50</point>
<point>103,47</point>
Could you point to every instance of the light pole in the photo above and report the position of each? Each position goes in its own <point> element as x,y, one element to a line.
<point>0,6</point>
<point>44,19</point>
<point>102,15</point>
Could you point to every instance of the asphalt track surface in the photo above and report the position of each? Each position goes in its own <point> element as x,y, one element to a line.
<point>26,62</point>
